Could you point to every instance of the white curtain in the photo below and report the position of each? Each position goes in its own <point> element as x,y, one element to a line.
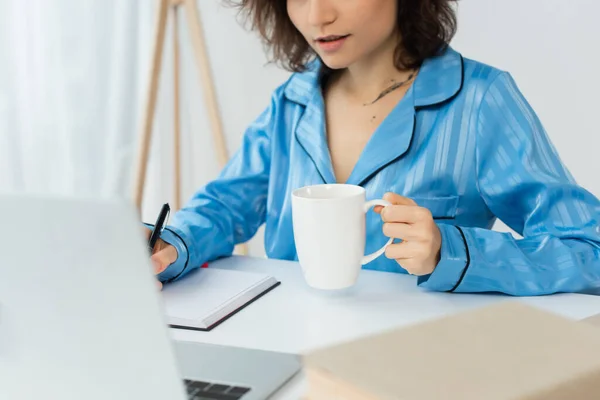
<point>70,94</point>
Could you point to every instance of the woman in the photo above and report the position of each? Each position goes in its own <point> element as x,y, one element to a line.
<point>379,99</point>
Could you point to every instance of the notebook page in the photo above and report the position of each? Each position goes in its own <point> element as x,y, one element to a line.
<point>205,290</point>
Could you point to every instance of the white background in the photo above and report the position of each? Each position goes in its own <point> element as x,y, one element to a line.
<point>73,76</point>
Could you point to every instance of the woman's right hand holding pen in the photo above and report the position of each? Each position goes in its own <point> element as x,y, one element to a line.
<point>163,255</point>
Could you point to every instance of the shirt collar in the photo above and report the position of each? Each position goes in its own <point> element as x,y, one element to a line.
<point>440,78</point>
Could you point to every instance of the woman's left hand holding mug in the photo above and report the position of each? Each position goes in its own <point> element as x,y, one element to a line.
<point>419,251</point>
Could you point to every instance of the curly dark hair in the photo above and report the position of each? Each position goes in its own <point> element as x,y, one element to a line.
<point>426,27</point>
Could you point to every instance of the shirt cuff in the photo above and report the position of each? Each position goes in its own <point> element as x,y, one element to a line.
<point>454,261</point>
<point>177,268</point>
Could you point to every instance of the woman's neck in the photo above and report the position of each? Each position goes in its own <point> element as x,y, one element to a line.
<point>365,80</point>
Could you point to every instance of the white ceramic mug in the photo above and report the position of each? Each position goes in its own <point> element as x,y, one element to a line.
<point>329,232</point>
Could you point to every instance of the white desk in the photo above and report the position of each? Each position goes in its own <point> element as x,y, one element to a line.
<point>295,318</point>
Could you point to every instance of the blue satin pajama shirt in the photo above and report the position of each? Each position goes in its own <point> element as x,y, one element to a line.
<point>463,142</point>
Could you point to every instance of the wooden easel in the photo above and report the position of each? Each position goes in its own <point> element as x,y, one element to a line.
<point>200,53</point>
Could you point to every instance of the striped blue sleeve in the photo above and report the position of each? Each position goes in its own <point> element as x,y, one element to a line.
<point>525,184</point>
<point>229,209</point>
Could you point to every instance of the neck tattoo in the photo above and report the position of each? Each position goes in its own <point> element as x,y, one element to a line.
<point>390,89</point>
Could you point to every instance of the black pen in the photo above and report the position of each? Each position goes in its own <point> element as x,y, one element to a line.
<point>158,226</point>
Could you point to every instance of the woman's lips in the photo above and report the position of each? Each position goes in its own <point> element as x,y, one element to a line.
<point>331,43</point>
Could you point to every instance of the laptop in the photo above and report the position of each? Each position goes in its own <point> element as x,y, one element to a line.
<point>81,316</point>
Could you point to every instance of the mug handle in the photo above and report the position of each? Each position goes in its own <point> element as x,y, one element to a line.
<point>370,257</point>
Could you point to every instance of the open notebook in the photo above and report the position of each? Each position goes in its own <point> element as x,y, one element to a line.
<point>207,296</point>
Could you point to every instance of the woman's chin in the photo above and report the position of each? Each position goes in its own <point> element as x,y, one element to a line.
<point>336,61</point>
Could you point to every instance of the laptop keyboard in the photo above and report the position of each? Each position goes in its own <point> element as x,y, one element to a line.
<point>199,390</point>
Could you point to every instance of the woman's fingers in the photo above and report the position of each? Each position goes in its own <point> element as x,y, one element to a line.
<point>400,230</point>
<point>163,255</point>
<point>396,200</point>
<point>406,250</point>
<point>163,258</point>
<point>410,256</point>
<point>405,214</point>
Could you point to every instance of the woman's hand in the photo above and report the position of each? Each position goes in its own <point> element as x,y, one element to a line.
<point>419,251</point>
<point>163,255</point>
